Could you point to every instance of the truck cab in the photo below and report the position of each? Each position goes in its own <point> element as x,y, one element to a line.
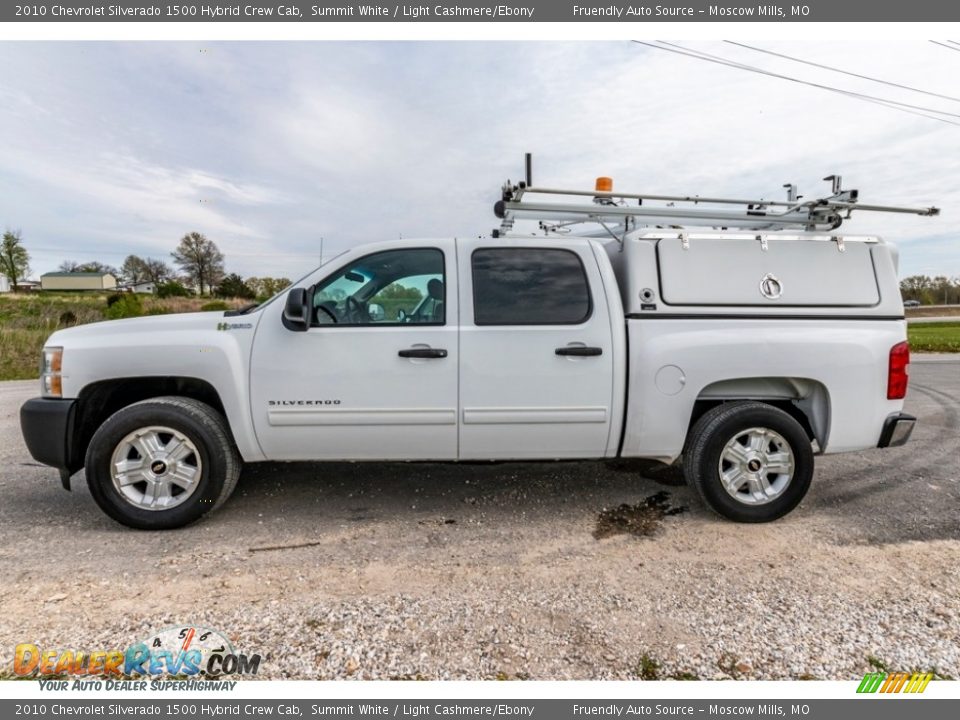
<point>514,359</point>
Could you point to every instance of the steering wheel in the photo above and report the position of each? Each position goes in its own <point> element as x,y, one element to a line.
<point>328,311</point>
<point>355,311</point>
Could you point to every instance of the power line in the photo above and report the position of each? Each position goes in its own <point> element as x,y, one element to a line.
<point>851,93</point>
<point>697,55</point>
<point>948,47</point>
<point>844,72</point>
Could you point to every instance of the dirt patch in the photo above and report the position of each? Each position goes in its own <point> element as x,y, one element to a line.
<point>641,520</point>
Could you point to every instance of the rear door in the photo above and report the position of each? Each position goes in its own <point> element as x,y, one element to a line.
<point>536,359</point>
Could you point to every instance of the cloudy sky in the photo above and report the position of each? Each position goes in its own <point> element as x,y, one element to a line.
<point>114,148</point>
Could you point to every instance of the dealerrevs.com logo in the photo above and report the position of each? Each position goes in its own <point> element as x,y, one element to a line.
<point>176,651</point>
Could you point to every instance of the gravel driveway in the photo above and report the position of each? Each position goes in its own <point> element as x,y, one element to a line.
<point>510,570</point>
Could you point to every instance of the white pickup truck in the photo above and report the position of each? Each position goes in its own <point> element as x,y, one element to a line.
<point>744,352</point>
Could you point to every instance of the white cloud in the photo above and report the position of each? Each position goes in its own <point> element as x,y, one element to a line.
<point>266,147</point>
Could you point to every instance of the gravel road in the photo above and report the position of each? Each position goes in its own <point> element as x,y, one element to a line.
<point>512,571</point>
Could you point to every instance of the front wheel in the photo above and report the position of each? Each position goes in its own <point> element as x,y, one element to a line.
<point>162,463</point>
<point>750,462</point>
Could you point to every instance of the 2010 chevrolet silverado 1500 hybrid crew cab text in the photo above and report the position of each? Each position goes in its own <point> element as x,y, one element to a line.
<point>744,347</point>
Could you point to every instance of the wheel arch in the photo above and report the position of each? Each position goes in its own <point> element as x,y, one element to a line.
<point>805,399</point>
<point>99,400</point>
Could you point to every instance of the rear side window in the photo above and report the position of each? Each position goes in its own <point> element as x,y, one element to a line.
<point>529,286</point>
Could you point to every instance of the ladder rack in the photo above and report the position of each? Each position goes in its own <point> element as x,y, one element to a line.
<point>627,211</point>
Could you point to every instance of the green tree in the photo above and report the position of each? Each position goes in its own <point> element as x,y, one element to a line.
<point>14,258</point>
<point>917,287</point>
<point>233,286</point>
<point>267,287</point>
<point>396,291</point>
<point>200,259</point>
<point>941,290</point>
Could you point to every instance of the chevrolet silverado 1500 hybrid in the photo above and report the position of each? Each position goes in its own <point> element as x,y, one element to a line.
<point>744,346</point>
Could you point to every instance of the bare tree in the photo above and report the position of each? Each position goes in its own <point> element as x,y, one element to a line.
<point>137,270</point>
<point>14,258</point>
<point>88,267</point>
<point>158,271</point>
<point>134,269</point>
<point>200,260</point>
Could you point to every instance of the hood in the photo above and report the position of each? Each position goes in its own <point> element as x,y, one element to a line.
<point>110,329</point>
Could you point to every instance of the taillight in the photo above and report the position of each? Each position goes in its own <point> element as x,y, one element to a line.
<point>897,371</point>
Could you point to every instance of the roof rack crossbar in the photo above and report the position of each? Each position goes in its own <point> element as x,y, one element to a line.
<point>606,206</point>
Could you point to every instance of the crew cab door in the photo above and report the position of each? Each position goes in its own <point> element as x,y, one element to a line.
<point>375,375</point>
<point>536,351</point>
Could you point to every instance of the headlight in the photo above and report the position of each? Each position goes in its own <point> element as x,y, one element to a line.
<point>51,364</point>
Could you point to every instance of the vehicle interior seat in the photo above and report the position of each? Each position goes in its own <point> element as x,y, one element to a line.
<point>435,292</point>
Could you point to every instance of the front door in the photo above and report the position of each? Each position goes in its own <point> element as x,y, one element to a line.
<point>375,376</point>
<point>536,355</point>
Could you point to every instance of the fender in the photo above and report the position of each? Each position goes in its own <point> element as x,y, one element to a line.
<point>205,346</point>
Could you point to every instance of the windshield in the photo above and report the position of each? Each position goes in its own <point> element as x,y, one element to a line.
<point>295,283</point>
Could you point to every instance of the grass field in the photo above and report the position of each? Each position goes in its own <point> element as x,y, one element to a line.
<point>26,321</point>
<point>934,337</point>
<point>933,311</point>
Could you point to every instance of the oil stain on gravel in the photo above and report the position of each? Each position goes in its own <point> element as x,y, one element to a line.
<point>641,520</point>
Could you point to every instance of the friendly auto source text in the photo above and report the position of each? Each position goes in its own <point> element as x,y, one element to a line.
<point>617,11</point>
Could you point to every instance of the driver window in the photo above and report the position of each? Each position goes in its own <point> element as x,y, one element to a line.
<point>394,287</point>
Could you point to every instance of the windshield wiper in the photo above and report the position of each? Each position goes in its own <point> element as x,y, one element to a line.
<point>241,311</point>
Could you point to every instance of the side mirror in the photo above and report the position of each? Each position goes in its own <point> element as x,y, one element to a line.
<point>401,315</point>
<point>296,312</point>
<point>376,312</point>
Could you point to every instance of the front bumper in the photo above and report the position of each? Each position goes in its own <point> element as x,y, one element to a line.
<point>896,430</point>
<point>47,426</point>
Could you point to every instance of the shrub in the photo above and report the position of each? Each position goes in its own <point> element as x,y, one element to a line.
<point>215,305</point>
<point>172,289</point>
<point>67,319</point>
<point>126,306</point>
<point>114,297</point>
<point>233,286</point>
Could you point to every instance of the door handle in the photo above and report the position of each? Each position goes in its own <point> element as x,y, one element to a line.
<point>579,351</point>
<point>423,353</point>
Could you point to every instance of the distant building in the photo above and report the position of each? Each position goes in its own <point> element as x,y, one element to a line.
<point>27,285</point>
<point>4,284</point>
<point>78,281</point>
<point>145,287</point>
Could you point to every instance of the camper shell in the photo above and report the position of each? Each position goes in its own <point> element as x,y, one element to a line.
<point>678,273</point>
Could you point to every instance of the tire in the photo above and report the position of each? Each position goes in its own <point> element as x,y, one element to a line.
<point>762,452</point>
<point>162,463</point>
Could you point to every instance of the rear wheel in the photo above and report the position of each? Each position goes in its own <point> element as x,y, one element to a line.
<point>750,462</point>
<point>162,463</point>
